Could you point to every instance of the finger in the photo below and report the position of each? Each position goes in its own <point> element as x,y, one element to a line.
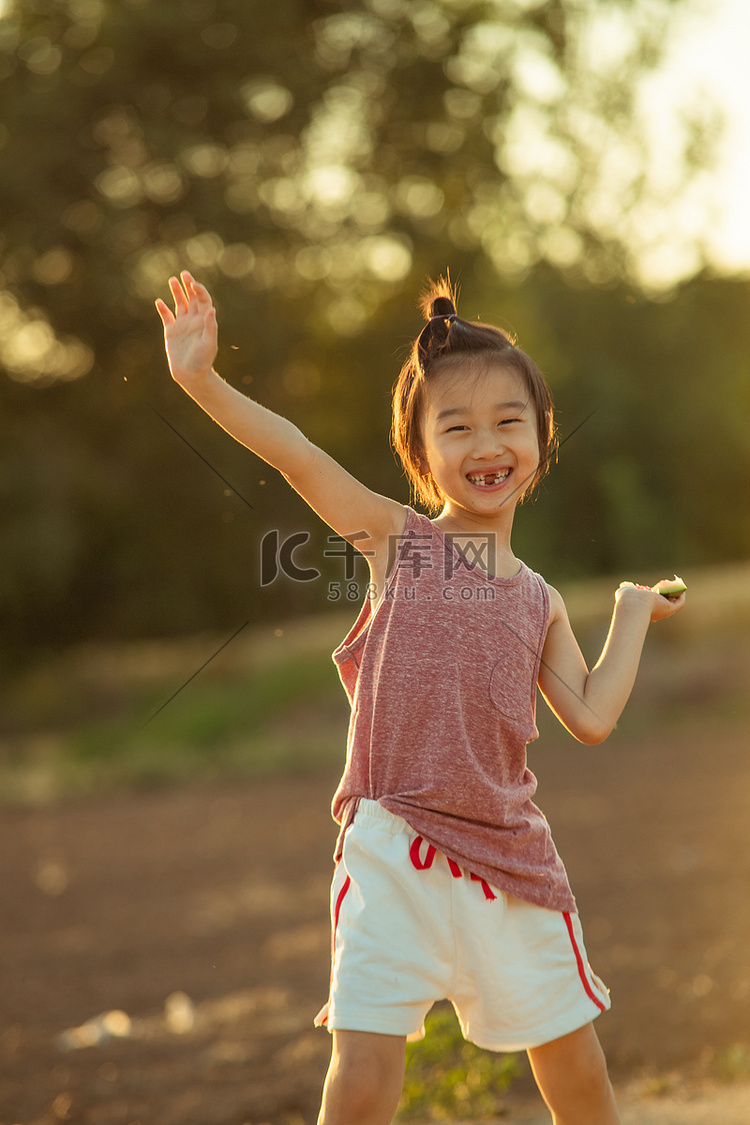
<point>180,296</point>
<point>194,288</point>
<point>166,314</point>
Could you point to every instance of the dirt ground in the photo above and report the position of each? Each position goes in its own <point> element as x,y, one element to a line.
<point>193,923</point>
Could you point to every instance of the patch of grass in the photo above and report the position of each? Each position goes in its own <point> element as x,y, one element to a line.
<point>733,1065</point>
<point>207,714</point>
<point>135,727</point>
<point>661,1085</point>
<point>286,718</point>
<point>447,1078</point>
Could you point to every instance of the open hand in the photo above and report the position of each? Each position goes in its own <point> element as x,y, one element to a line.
<point>191,331</point>
<point>660,605</point>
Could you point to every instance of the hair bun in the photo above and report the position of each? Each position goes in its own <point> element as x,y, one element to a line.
<point>441,308</point>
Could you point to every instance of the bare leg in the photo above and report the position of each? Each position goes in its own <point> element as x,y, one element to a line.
<point>364,1079</point>
<point>571,1074</point>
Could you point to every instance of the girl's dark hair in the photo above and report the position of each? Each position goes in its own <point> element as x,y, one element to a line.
<point>445,342</point>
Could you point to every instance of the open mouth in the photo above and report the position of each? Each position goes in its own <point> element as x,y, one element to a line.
<point>488,479</point>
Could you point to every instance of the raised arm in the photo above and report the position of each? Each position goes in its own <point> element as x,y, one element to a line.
<point>587,703</point>
<point>346,505</point>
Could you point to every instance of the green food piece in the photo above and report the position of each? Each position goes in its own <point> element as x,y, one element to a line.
<point>672,589</point>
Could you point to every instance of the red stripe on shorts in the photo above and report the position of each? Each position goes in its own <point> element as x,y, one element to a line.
<point>415,856</point>
<point>581,967</point>
<point>336,912</point>
<point>334,926</point>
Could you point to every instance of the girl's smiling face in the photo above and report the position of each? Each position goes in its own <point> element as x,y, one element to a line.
<point>480,439</point>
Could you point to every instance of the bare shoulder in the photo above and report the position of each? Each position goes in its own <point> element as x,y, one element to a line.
<point>381,548</point>
<point>557,610</point>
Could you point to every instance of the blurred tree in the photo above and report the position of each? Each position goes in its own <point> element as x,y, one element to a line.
<point>657,476</point>
<point>312,160</point>
<point>316,148</point>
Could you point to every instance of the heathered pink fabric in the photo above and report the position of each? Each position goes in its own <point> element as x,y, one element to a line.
<point>442,684</point>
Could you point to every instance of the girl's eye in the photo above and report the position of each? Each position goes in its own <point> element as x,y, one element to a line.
<point>451,429</point>
<point>507,421</point>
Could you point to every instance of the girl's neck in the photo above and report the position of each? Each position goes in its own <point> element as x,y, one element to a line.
<point>467,529</point>
<point>460,522</point>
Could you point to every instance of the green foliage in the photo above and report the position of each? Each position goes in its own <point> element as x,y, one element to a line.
<point>205,714</point>
<point>297,152</point>
<point>139,717</point>
<point>313,164</point>
<point>448,1078</point>
<point>655,476</point>
<point>733,1064</point>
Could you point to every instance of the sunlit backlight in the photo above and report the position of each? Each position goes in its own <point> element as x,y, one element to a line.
<point>205,250</point>
<point>339,132</point>
<point>705,67</point>
<point>32,352</point>
<point>152,266</point>
<point>115,1024</point>
<point>420,197</point>
<point>386,258</point>
<point>484,57</point>
<point>204,160</point>
<point>371,209</point>
<point>282,195</point>
<point>237,260</point>
<point>40,55</point>
<point>337,36</point>
<point>444,137</point>
<point>120,185</point>
<point>563,246</point>
<point>537,76</point>
<point>544,205</point>
<point>163,183</point>
<point>331,185</point>
<point>53,267</point>
<point>462,104</point>
<point>526,148</point>
<point>313,262</point>
<point>267,100</point>
<point>347,316</point>
<point>179,1013</point>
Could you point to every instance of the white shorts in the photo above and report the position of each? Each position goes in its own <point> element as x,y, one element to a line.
<point>405,936</point>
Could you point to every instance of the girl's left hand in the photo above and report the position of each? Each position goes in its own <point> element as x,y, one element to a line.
<point>661,605</point>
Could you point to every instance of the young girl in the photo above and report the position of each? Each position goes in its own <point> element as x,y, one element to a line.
<point>448,884</point>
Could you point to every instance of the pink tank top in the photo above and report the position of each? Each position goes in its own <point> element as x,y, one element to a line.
<point>442,685</point>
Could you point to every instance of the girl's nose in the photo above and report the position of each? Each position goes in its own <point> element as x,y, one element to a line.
<point>487,444</point>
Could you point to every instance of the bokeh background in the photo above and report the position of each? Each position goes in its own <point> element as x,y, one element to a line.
<point>313,164</point>
<point>574,164</point>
